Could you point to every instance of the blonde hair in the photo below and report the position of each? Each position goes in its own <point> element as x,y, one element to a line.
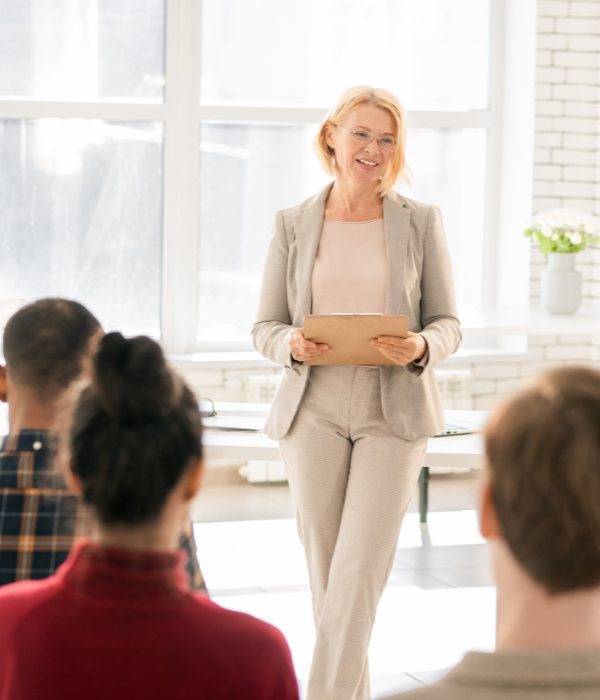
<point>350,100</point>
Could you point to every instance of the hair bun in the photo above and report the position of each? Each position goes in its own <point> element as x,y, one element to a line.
<point>132,380</point>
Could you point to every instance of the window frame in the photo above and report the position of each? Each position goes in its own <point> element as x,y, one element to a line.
<point>182,113</point>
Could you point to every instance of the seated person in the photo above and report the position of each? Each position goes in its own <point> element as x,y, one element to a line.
<point>117,620</point>
<point>540,511</point>
<point>45,347</point>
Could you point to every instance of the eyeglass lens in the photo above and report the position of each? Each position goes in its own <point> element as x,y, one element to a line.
<point>386,142</point>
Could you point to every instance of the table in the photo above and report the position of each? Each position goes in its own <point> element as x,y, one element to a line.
<point>452,451</point>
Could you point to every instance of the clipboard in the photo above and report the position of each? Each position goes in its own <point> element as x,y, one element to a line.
<point>349,336</point>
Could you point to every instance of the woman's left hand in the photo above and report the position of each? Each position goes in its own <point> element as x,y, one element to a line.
<point>402,351</point>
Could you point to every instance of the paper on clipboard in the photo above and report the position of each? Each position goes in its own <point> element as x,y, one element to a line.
<point>349,336</point>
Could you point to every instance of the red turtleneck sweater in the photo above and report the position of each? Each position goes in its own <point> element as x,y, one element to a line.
<point>114,624</point>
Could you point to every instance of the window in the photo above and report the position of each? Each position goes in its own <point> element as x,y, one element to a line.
<point>82,219</point>
<point>431,53</point>
<point>146,145</point>
<point>82,50</point>
<point>82,197</point>
<point>270,69</point>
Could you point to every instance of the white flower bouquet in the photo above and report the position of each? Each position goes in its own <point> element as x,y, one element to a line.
<point>562,230</point>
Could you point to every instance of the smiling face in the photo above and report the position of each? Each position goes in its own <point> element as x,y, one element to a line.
<point>362,162</point>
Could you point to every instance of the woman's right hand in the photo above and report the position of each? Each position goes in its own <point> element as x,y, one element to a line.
<point>303,349</point>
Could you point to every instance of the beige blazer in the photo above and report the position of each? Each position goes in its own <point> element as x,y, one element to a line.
<point>419,286</point>
<point>523,674</point>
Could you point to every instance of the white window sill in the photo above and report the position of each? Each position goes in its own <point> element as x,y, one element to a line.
<point>527,320</point>
<point>221,360</point>
<point>483,321</point>
<point>253,360</point>
<point>481,355</point>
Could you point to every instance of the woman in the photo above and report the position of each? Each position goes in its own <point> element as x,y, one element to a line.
<point>353,438</point>
<point>117,619</point>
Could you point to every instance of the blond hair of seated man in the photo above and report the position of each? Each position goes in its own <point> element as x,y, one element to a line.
<point>540,512</point>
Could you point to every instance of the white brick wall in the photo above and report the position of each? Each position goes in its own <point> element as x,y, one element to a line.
<point>492,381</point>
<point>222,384</point>
<point>567,130</point>
<point>565,175</point>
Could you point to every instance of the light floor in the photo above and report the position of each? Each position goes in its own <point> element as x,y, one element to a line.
<point>439,602</point>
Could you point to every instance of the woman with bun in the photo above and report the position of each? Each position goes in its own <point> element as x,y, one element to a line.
<point>353,439</point>
<point>117,620</point>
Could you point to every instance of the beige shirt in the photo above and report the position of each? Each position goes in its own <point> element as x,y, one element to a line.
<point>350,270</point>
<point>572,674</point>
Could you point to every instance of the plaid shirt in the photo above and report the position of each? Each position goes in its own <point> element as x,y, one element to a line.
<point>40,518</point>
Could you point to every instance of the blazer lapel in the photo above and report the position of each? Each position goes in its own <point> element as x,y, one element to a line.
<point>308,224</point>
<point>396,219</point>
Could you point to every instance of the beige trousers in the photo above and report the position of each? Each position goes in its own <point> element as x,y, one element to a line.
<point>351,479</point>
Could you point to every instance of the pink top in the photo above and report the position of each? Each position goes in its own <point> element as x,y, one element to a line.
<point>350,270</point>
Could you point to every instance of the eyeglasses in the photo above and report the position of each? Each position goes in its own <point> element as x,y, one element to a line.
<point>388,143</point>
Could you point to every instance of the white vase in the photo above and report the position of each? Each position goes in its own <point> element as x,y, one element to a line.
<point>561,284</point>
